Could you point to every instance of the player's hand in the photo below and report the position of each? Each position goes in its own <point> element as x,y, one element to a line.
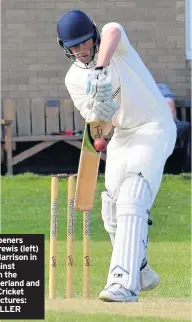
<point>102,111</point>
<point>99,85</point>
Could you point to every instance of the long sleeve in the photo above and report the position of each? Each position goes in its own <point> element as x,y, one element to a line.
<point>124,44</point>
<point>79,97</point>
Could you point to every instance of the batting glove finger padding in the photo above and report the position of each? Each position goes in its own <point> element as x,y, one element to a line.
<point>102,111</point>
<point>99,85</point>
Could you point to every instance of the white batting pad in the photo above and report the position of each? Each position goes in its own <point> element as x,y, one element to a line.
<point>129,249</point>
<point>112,238</point>
<point>109,213</point>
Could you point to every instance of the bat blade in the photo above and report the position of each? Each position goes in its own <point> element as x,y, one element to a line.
<point>88,168</point>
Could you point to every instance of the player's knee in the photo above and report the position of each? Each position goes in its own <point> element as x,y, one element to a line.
<point>134,197</point>
<point>108,213</point>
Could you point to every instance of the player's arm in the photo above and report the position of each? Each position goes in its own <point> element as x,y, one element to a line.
<point>79,97</point>
<point>123,45</point>
<point>109,43</point>
<point>113,41</point>
<point>83,103</point>
<point>90,108</point>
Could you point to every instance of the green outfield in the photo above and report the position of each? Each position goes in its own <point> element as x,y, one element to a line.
<point>25,208</point>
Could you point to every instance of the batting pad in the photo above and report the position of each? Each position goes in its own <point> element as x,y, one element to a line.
<point>129,249</point>
<point>109,213</point>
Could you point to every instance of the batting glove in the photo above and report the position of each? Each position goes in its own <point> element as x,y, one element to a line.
<point>99,85</point>
<point>101,111</point>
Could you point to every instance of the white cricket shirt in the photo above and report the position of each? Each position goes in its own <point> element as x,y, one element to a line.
<point>140,99</point>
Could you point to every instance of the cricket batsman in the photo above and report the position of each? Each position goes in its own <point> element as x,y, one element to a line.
<point>109,82</point>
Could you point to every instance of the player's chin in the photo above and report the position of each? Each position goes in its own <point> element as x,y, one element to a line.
<point>85,59</point>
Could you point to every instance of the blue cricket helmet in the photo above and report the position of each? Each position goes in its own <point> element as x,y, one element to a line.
<point>74,28</point>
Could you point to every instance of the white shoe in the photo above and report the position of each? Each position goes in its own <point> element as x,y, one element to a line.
<point>148,279</point>
<point>117,293</point>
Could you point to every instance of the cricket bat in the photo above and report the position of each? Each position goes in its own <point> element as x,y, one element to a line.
<point>88,167</point>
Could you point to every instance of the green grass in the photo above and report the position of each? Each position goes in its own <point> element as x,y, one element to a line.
<point>69,317</point>
<point>25,208</point>
<point>171,260</point>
